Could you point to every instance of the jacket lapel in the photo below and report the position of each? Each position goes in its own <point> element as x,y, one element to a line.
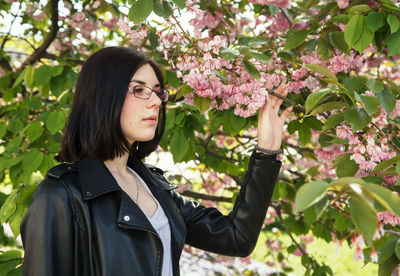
<point>160,190</point>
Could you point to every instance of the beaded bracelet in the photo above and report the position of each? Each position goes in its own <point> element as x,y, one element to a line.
<point>267,151</point>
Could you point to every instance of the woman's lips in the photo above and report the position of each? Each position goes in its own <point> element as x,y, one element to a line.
<point>151,119</point>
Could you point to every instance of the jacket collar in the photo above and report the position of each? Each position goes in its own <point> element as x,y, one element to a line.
<point>97,180</point>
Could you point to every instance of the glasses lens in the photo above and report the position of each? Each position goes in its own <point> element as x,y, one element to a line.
<point>163,94</point>
<point>142,91</point>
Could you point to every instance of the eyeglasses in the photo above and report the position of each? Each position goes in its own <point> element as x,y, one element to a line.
<point>144,92</point>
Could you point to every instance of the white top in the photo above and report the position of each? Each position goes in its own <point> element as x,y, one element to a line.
<point>160,223</point>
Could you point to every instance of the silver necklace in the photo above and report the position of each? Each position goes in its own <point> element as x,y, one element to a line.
<point>137,192</point>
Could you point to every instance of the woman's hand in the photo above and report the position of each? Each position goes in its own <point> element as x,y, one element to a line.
<point>270,124</point>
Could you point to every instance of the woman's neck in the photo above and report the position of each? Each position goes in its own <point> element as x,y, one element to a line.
<point>118,164</point>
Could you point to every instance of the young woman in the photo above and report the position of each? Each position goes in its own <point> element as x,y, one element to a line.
<point>105,212</point>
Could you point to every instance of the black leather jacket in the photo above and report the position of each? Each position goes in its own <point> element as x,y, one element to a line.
<point>81,223</point>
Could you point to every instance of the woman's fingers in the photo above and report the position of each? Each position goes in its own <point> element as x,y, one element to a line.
<point>286,113</point>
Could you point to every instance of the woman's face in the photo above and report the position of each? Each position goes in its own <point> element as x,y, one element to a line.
<point>139,117</point>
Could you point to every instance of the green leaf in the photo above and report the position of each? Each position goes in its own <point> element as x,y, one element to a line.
<point>251,69</point>
<point>333,121</point>
<point>385,197</point>
<point>325,49</point>
<point>342,223</point>
<point>375,85</point>
<point>28,76</point>
<point>163,9</point>
<point>393,22</point>
<point>314,98</point>
<point>313,122</point>
<point>140,10</point>
<point>227,53</point>
<point>304,134</point>
<point>354,84</point>
<point>258,41</point>
<point>172,79</point>
<point>357,117</point>
<point>8,207</point>
<point>316,68</point>
<point>345,166</point>
<point>327,107</point>
<point>310,193</point>
<point>359,9</point>
<point>341,18</point>
<point>398,168</point>
<point>342,182</point>
<point>337,40</point>
<point>354,29</point>
<point>393,43</point>
<point>385,246</point>
<point>293,126</point>
<point>32,160</point>
<point>387,268</point>
<point>202,103</point>
<point>365,39</point>
<point>180,3</point>
<point>34,131</point>
<point>57,70</point>
<point>375,20</point>
<point>185,89</point>
<point>295,39</point>
<point>55,122</point>
<point>384,164</point>
<point>386,100</point>
<point>397,249</point>
<point>42,75</point>
<point>10,254</point>
<point>179,145</point>
<point>3,129</point>
<point>15,125</point>
<point>363,217</point>
<point>7,267</point>
<point>370,104</point>
<point>258,56</point>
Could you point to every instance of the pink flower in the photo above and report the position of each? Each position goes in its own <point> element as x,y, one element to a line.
<point>111,24</point>
<point>388,217</point>
<point>358,254</point>
<point>343,3</point>
<point>367,165</point>
<point>284,4</point>
<point>79,16</point>
<point>374,256</point>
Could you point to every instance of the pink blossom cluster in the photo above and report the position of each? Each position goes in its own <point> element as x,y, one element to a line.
<point>132,34</point>
<point>170,39</point>
<point>205,21</point>
<point>283,4</point>
<point>329,153</point>
<point>277,24</point>
<point>83,25</point>
<point>340,62</point>
<point>214,183</point>
<point>388,217</point>
<point>243,93</point>
<point>111,24</point>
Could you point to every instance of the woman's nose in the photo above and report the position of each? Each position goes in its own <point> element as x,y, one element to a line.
<point>154,100</point>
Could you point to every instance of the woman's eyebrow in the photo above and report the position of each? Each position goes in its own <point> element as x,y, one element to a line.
<point>138,81</point>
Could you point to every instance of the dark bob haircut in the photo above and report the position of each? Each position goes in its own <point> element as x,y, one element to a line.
<point>93,129</point>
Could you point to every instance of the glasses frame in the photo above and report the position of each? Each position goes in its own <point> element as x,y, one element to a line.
<point>162,91</point>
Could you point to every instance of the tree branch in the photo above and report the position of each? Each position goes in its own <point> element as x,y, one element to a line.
<point>289,101</point>
<point>207,197</point>
<point>41,51</point>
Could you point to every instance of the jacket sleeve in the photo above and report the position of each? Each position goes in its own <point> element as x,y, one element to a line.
<point>47,231</point>
<point>235,234</point>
